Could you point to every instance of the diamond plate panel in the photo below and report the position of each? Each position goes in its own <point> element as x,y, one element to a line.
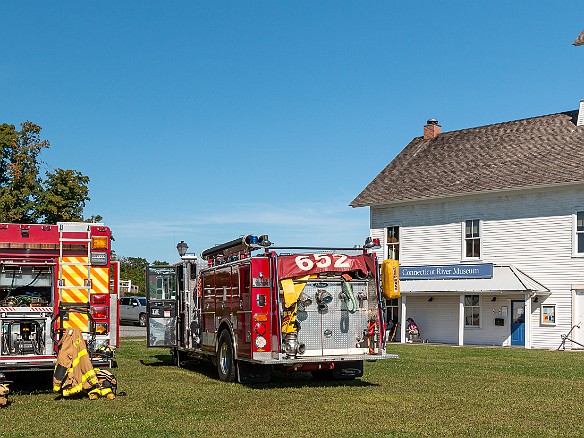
<point>337,328</point>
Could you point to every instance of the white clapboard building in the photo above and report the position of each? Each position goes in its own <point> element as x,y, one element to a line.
<point>488,226</point>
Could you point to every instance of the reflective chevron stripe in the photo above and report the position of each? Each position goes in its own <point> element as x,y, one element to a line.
<point>74,274</point>
<point>100,280</point>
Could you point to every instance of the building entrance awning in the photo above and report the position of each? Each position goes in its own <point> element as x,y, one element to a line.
<point>505,279</point>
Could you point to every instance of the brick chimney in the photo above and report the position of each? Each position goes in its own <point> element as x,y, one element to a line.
<point>432,129</point>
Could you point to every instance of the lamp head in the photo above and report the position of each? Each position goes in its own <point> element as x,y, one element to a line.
<point>182,247</point>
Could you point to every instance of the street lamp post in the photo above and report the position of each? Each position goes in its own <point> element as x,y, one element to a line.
<point>182,247</point>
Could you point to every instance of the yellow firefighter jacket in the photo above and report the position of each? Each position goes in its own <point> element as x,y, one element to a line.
<point>74,371</point>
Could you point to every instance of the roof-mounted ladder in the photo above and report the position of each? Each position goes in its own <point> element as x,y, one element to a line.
<point>74,271</point>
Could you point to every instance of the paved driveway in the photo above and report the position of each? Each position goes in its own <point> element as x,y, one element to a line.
<point>132,331</point>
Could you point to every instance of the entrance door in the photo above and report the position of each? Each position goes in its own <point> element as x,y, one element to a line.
<point>518,323</point>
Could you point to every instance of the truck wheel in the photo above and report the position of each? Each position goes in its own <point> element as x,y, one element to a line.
<point>142,320</point>
<point>225,361</point>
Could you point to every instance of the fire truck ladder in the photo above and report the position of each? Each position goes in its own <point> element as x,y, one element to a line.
<point>71,233</point>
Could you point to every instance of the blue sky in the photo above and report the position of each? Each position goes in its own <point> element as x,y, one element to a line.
<point>203,121</point>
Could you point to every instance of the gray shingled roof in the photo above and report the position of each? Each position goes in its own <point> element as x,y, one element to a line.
<point>580,40</point>
<point>544,150</point>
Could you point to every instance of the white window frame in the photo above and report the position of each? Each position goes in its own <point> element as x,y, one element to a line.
<point>388,244</point>
<point>464,238</point>
<point>552,308</point>
<point>472,306</point>
<point>577,233</point>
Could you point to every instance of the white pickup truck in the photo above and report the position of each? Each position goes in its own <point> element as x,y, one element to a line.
<point>133,309</point>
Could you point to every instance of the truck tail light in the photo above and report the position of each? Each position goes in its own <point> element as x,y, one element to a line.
<point>101,328</point>
<point>99,242</point>
<point>260,317</point>
<point>260,342</point>
<point>99,298</point>
<point>99,312</point>
<point>260,328</point>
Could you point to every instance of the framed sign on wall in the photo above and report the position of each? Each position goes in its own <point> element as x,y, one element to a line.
<point>548,314</point>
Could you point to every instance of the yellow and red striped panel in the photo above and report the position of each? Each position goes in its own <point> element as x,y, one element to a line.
<point>77,320</point>
<point>100,280</point>
<point>76,276</point>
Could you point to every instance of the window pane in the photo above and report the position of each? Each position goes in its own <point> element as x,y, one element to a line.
<point>475,316</point>
<point>580,221</point>
<point>393,243</point>
<point>393,235</point>
<point>473,248</point>
<point>468,318</point>
<point>393,252</point>
<point>472,228</point>
<point>471,300</point>
<point>471,316</point>
<point>581,243</point>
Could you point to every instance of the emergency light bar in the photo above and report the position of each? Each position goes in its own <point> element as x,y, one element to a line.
<point>372,243</point>
<point>244,245</point>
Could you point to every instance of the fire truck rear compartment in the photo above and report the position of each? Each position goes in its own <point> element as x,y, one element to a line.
<point>22,337</point>
<point>25,309</point>
<point>26,286</point>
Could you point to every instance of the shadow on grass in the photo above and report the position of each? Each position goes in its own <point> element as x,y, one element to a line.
<point>31,382</point>
<point>280,379</point>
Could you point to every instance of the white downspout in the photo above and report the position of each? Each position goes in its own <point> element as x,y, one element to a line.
<point>402,327</point>
<point>461,320</point>
<point>528,322</point>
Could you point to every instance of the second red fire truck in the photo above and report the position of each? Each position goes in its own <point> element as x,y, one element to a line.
<point>298,309</point>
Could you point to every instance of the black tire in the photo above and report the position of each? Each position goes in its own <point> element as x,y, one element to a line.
<point>142,320</point>
<point>225,360</point>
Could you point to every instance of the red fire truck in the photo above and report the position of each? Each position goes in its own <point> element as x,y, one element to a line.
<point>299,309</point>
<point>52,278</point>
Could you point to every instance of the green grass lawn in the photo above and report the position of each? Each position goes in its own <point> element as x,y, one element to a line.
<point>429,391</point>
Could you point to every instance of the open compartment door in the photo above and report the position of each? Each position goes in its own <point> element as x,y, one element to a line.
<point>161,293</point>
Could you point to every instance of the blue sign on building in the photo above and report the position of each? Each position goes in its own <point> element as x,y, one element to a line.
<point>443,272</point>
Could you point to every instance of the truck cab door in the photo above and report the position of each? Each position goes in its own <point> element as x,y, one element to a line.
<point>161,294</point>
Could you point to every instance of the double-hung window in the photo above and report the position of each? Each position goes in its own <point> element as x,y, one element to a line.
<point>579,238</point>
<point>472,239</point>
<point>472,311</point>
<point>392,241</point>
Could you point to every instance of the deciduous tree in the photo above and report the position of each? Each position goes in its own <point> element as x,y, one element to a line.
<point>64,196</point>
<point>24,196</point>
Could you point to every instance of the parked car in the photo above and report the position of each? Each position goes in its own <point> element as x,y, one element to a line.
<point>133,309</point>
